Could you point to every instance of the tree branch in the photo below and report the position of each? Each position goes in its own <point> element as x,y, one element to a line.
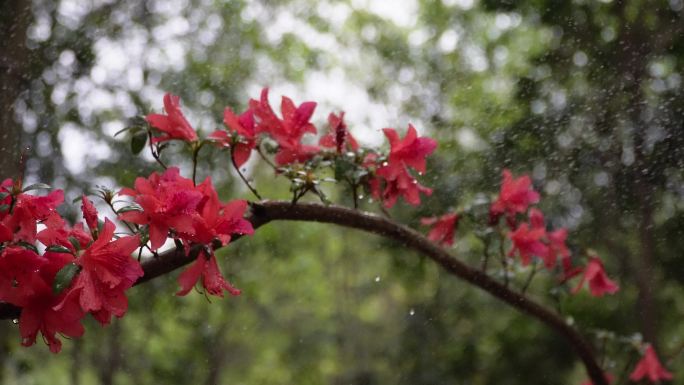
<point>265,212</point>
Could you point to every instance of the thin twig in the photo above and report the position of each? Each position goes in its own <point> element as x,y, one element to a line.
<point>504,261</point>
<point>530,277</point>
<point>155,154</point>
<point>249,186</point>
<point>195,154</point>
<point>265,158</point>
<point>485,260</point>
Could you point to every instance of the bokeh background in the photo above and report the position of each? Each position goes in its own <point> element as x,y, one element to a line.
<point>584,95</point>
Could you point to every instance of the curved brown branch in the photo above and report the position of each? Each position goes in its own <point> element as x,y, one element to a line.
<point>266,212</point>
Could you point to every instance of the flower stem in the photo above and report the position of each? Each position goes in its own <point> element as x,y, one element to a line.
<point>249,186</point>
<point>530,277</point>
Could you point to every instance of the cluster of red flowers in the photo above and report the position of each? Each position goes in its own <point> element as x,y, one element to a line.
<point>79,272</point>
<point>83,271</point>
<point>532,239</point>
<point>391,177</point>
<point>394,172</point>
<point>88,271</point>
<point>529,239</point>
<point>172,206</point>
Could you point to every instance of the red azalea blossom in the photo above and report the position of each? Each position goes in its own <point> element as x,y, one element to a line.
<point>217,221</point>
<point>339,136</point>
<point>555,240</point>
<point>410,151</point>
<point>57,232</point>
<point>17,267</point>
<point>243,126</point>
<point>515,195</point>
<point>287,131</point>
<point>89,214</point>
<point>107,271</point>
<point>173,124</point>
<point>402,184</point>
<point>443,228</point>
<point>39,309</point>
<point>650,367</point>
<point>528,242</point>
<point>21,223</point>
<point>168,201</point>
<point>205,268</point>
<point>599,283</point>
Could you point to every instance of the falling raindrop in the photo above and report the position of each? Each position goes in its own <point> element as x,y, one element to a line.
<point>377,278</point>
<point>15,321</point>
<point>412,312</point>
<point>361,196</point>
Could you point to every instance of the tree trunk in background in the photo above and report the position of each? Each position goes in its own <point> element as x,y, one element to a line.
<point>15,18</point>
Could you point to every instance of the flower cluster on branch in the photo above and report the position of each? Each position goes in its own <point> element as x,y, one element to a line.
<point>58,273</point>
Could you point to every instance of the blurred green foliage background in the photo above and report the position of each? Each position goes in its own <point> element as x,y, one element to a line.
<point>584,95</point>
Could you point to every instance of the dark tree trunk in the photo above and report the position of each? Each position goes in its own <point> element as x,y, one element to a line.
<point>15,18</point>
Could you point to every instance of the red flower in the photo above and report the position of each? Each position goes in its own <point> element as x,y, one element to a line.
<point>29,209</point>
<point>57,232</point>
<point>243,126</point>
<point>402,183</point>
<point>39,311</point>
<point>217,221</point>
<point>443,228</point>
<point>515,195</point>
<point>287,131</point>
<point>168,202</point>
<point>17,267</point>
<point>107,271</point>
<point>410,151</point>
<point>89,214</point>
<point>528,242</point>
<point>650,367</point>
<point>206,268</point>
<point>599,283</point>
<point>339,137</point>
<point>554,240</point>
<point>173,125</point>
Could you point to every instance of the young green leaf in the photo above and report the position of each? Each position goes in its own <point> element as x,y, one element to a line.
<point>64,277</point>
<point>138,141</point>
<point>58,249</point>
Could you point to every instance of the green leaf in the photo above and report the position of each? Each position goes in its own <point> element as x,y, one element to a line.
<point>36,186</point>
<point>77,199</point>
<point>75,243</point>
<point>58,249</point>
<point>64,277</point>
<point>4,208</point>
<point>29,246</point>
<point>129,208</point>
<point>4,195</point>
<point>342,168</point>
<point>138,141</point>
